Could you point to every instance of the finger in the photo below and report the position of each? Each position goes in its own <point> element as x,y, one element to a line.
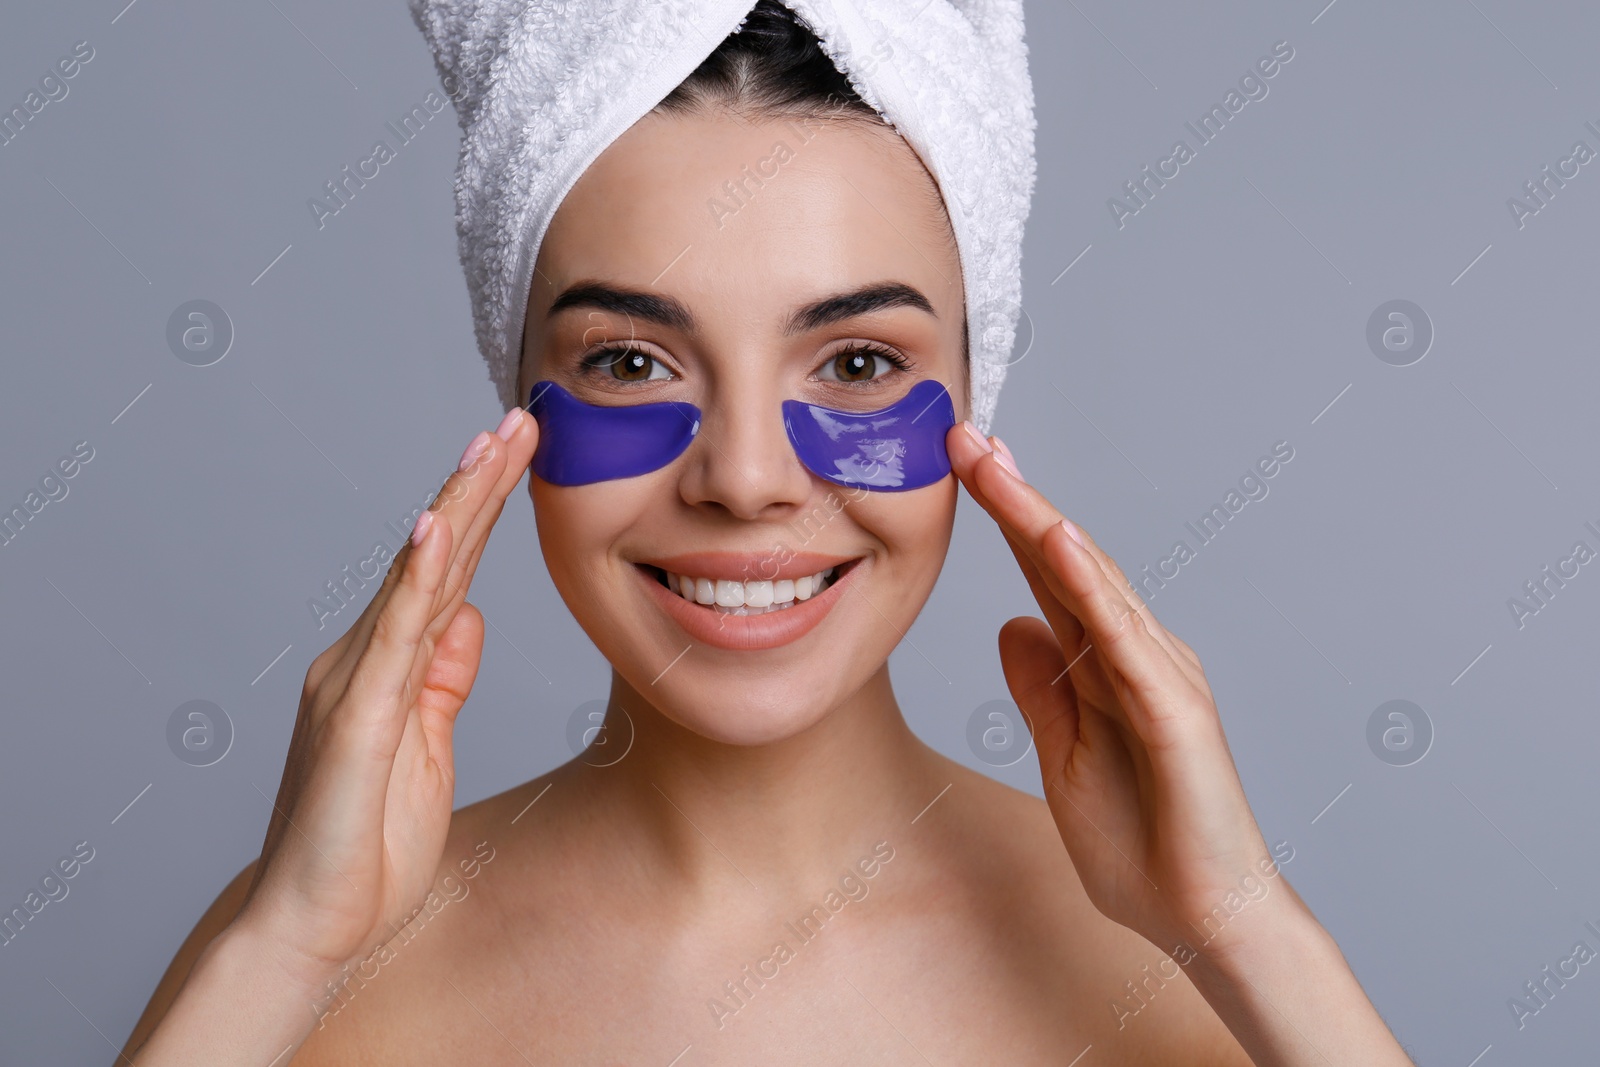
<point>998,493</point>
<point>1136,602</point>
<point>448,682</point>
<point>1152,685</point>
<point>1075,579</point>
<point>1031,660</point>
<point>473,499</point>
<point>1018,507</point>
<point>382,688</point>
<point>1082,753</point>
<point>1091,680</point>
<point>460,500</point>
<point>497,472</point>
<point>1073,642</point>
<point>350,754</point>
<point>1052,600</point>
<point>1022,513</point>
<point>1066,625</point>
<point>1188,653</point>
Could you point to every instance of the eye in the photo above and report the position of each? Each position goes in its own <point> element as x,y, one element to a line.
<point>857,363</point>
<point>625,363</point>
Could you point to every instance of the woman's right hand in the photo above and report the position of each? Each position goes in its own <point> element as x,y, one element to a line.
<point>362,814</point>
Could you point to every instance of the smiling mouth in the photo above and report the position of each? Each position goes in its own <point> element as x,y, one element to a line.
<point>748,598</point>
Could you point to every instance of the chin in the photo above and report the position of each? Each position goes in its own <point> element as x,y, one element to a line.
<point>718,712</point>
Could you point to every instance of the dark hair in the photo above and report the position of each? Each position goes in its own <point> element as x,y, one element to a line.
<point>772,64</point>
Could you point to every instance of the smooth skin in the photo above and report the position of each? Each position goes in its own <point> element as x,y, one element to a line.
<point>601,912</point>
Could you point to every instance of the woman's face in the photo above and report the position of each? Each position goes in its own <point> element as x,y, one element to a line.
<point>706,247</point>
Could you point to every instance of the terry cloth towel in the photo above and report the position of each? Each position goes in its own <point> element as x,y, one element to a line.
<point>542,87</point>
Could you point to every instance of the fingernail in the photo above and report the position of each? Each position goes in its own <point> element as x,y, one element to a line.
<point>1006,458</point>
<point>474,450</point>
<point>509,424</point>
<point>1072,532</point>
<point>420,530</point>
<point>972,431</point>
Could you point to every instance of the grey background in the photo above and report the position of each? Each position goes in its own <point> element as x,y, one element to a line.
<point>1227,315</point>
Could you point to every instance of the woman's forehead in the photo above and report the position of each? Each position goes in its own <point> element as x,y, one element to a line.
<point>752,211</point>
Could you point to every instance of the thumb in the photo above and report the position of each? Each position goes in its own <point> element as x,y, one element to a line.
<point>1030,657</point>
<point>450,676</point>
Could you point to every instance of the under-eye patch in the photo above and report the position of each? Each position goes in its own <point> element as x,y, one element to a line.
<point>891,449</point>
<point>581,443</point>
<point>894,448</point>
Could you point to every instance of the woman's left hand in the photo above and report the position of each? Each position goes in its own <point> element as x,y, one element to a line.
<point>1135,767</point>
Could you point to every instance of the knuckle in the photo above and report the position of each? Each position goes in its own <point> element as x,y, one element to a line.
<point>1127,623</point>
<point>318,672</point>
<point>1117,631</point>
<point>388,632</point>
<point>313,682</point>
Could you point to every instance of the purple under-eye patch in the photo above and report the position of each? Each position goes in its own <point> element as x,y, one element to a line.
<point>580,443</point>
<point>892,449</point>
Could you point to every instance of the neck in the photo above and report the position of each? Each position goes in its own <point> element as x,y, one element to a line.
<point>720,818</point>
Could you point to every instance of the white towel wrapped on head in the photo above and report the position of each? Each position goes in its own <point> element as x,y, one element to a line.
<point>542,87</point>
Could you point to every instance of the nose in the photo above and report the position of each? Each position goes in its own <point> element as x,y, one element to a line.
<point>742,462</point>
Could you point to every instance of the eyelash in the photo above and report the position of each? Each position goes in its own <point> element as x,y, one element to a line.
<point>871,348</point>
<point>602,358</point>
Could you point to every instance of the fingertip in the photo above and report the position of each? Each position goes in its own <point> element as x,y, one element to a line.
<point>974,436</point>
<point>956,443</point>
<point>511,423</point>
<point>419,532</point>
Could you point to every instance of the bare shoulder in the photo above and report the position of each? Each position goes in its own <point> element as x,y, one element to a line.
<point>1128,998</point>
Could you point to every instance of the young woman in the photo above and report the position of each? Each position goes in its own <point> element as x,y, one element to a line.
<point>759,862</point>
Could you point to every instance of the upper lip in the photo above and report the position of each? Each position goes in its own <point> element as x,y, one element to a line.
<point>748,566</point>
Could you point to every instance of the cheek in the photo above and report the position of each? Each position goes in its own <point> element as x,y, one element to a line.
<point>913,526</point>
<point>576,526</point>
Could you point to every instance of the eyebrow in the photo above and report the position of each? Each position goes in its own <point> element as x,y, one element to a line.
<point>669,312</point>
<point>635,304</point>
<point>861,301</point>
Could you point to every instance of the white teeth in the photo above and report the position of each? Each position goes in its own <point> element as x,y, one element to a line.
<point>748,598</point>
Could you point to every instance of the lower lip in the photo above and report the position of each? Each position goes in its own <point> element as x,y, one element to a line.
<point>746,633</point>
